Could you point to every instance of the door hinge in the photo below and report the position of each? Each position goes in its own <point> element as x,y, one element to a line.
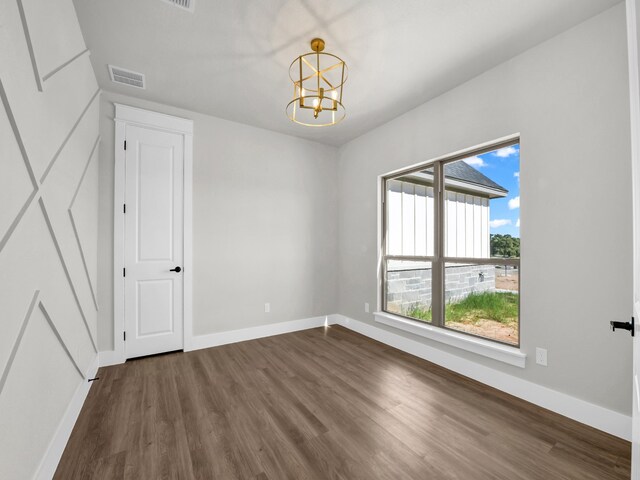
<point>125,144</point>
<point>124,336</point>
<point>124,208</point>
<point>124,272</point>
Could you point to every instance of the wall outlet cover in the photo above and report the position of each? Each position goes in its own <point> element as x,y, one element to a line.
<point>541,356</point>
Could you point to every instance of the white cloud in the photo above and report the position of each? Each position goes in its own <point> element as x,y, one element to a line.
<point>505,152</point>
<point>518,223</point>
<point>514,203</point>
<point>499,222</point>
<point>516,174</point>
<point>475,162</point>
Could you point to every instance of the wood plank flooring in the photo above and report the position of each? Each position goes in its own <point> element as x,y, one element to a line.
<point>321,404</point>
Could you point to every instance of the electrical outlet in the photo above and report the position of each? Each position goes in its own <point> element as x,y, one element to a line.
<point>267,307</point>
<point>541,356</point>
<point>366,308</point>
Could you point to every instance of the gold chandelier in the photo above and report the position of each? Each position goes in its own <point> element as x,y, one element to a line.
<point>318,79</point>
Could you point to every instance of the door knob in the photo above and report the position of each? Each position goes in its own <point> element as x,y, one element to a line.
<point>177,270</point>
<point>624,326</point>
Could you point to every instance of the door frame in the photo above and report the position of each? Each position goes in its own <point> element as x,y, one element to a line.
<point>127,115</point>
<point>633,46</point>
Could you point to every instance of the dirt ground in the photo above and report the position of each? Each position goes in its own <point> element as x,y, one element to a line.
<point>489,328</point>
<point>509,282</point>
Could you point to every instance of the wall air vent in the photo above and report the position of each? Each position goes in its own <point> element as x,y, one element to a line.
<point>126,77</point>
<point>187,5</point>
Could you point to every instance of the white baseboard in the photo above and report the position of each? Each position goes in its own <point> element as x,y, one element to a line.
<point>223,338</point>
<point>198,342</point>
<point>59,441</point>
<point>582,411</point>
<point>111,357</point>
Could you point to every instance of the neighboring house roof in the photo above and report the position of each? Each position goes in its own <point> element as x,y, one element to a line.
<point>466,173</point>
<point>460,176</point>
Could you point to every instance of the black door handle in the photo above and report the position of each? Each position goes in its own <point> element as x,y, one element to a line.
<point>624,326</point>
<point>177,270</point>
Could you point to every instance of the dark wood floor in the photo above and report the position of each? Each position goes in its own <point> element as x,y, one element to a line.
<point>321,404</point>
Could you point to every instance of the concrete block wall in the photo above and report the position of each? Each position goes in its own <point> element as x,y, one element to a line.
<point>411,287</point>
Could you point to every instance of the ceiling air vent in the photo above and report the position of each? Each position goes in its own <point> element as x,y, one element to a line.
<point>126,77</point>
<point>187,5</point>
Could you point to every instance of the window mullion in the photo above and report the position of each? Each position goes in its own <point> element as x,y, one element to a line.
<point>437,281</point>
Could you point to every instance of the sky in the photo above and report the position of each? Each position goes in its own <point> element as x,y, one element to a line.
<point>503,167</point>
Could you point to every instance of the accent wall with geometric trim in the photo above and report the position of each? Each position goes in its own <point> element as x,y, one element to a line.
<point>48,225</point>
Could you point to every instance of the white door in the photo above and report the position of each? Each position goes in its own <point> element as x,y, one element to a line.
<point>633,23</point>
<point>154,253</point>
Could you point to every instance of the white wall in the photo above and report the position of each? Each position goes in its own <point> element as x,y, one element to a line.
<point>568,98</point>
<point>265,224</point>
<point>48,228</point>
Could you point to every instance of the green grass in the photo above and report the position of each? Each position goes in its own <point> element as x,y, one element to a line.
<point>420,313</point>
<point>498,306</point>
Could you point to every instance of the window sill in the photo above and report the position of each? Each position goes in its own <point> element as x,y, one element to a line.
<point>502,353</point>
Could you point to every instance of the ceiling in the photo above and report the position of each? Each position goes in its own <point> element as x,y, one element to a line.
<point>230,58</point>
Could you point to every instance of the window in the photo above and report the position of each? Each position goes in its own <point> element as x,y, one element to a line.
<point>451,244</point>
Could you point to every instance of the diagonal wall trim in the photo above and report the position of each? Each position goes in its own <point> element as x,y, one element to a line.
<point>16,221</point>
<point>27,36</point>
<point>16,344</point>
<point>66,270</point>
<point>27,164</point>
<point>57,334</point>
<point>75,228</point>
<point>84,172</point>
<point>64,142</point>
<point>80,109</point>
<point>68,62</point>
<point>84,260</point>
<point>16,134</point>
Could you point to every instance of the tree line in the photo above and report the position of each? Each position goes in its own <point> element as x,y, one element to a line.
<point>504,246</point>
